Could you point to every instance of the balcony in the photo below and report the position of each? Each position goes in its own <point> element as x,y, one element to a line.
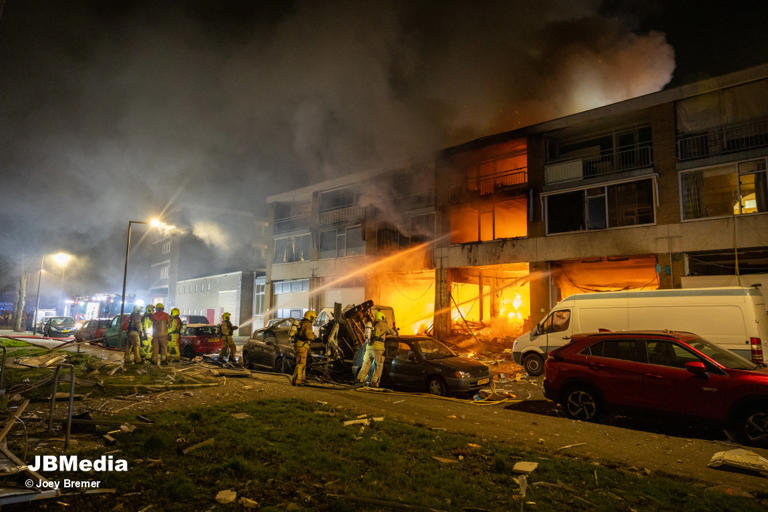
<point>290,224</point>
<point>722,140</point>
<point>348,215</point>
<point>603,163</point>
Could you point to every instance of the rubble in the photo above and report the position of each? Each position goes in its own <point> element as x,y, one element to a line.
<point>740,459</point>
<point>525,467</point>
<point>226,496</point>
<point>207,442</point>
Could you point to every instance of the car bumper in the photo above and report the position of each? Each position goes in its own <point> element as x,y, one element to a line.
<point>467,385</point>
<point>208,348</point>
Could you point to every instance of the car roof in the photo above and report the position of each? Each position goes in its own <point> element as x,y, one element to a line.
<point>678,335</point>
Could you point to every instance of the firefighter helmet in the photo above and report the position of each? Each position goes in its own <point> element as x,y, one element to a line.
<point>175,312</point>
<point>310,315</point>
<point>159,306</point>
<point>149,309</point>
<point>379,316</point>
<point>225,316</point>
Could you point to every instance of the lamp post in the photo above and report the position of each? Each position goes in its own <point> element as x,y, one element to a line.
<point>61,259</point>
<point>125,270</point>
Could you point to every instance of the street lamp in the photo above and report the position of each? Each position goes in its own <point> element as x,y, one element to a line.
<point>61,259</point>
<point>125,270</point>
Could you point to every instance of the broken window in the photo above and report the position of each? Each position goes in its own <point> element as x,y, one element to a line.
<point>328,244</point>
<point>355,243</point>
<point>293,249</point>
<point>484,222</point>
<point>730,189</point>
<point>336,199</point>
<point>624,204</point>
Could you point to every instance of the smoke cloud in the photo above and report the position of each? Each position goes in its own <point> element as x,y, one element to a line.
<point>117,113</point>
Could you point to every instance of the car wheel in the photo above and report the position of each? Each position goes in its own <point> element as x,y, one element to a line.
<point>581,403</point>
<point>753,427</point>
<point>436,386</point>
<point>533,364</point>
<point>189,352</point>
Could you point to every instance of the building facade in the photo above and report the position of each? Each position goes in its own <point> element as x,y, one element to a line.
<point>666,190</point>
<point>210,296</point>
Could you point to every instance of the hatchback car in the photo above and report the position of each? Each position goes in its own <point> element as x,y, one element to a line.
<point>93,330</point>
<point>59,326</point>
<point>198,339</point>
<point>421,363</point>
<point>661,371</point>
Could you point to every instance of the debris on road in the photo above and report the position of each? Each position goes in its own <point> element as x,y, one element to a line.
<point>226,496</point>
<point>240,415</point>
<point>207,442</point>
<point>444,460</point>
<point>574,445</point>
<point>525,467</point>
<point>740,459</point>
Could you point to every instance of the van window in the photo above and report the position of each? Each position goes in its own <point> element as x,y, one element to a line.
<point>624,349</point>
<point>556,321</point>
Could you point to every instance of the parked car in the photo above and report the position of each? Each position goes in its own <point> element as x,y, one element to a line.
<point>668,372</point>
<point>194,319</point>
<point>115,335</point>
<point>734,318</point>
<point>198,339</point>
<point>59,326</point>
<point>93,330</point>
<point>423,363</point>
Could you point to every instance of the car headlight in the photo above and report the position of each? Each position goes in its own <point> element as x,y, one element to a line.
<point>461,375</point>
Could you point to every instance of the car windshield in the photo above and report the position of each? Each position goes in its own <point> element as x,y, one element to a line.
<point>206,330</point>
<point>104,323</point>
<point>433,349</point>
<point>722,356</point>
<point>62,322</point>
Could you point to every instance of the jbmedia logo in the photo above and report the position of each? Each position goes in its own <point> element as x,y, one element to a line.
<point>105,463</point>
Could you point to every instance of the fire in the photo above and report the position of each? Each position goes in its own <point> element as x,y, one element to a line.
<point>412,295</point>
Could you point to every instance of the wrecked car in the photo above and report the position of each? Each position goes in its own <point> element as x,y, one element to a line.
<point>270,348</point>
<point>422,363</point>
<point>676,373</point>
<point>93,330</point>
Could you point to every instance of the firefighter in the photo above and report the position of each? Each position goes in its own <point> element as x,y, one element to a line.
<point>160,322</point>
<point>133,334</point>
<point>174,332</point>
<point>228,349</point>
<point>146,333</point>
<point>301,342</point>
<point>374,349</point>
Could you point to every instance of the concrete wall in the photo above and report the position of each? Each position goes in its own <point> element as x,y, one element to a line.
<point>197,296</point>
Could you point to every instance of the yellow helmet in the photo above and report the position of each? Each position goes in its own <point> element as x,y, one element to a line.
<point>310,315</point>
<point>379,316</point>
<point>225,316</point>
<point>175,312</point>
<point>149,309</point>
<point>159,306</point>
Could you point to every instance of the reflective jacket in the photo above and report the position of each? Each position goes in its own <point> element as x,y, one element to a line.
<point>160,322</point>
<point>146,324</point>
<point>227,328</point>
<point>174,327</point>
<point>134,322</point>
<point>305,333</point>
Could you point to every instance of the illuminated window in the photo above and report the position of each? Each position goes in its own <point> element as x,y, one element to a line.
<point>293,249</point>
<point>731,189</point>
<point>489,221</point>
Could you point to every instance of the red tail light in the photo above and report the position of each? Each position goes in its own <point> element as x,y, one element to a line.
<point>757,350</point>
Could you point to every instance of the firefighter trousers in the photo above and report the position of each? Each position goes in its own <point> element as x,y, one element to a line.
<point>375,356</point>
<point>145,348</point>
<point>228,349</point>
<point>132,347</point>
<point>173,348</point>
<point>160,344</point>
<point>300,371</point>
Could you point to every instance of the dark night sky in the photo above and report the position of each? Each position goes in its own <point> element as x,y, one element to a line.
<point>108,110</point>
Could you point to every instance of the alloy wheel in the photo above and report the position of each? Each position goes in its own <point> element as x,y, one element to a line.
<point>581,404</point>
<point>756,427</point>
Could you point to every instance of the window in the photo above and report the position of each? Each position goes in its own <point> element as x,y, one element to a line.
<point>624,349</point>
<point>258,298</point>
<point>337,243</point>
<point>404,353</point>
<point>164,272</point>
<point>291,286</point>
<point>486,221</point>
<point>666,353</point>
<point>293,249</point>
<point>731,189</point>
<point>336,199</point>
<point>611,206</point>
<point>166,247</point>
<point>557,321</point>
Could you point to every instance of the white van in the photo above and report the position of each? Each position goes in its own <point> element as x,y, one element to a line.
<point>734,318</point>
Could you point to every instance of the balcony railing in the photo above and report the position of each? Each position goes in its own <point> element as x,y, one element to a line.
<point>342,215</point>
<point>723,140</point>
<point>291,224</point>
<point>487,184</point>
<point>607,162</point>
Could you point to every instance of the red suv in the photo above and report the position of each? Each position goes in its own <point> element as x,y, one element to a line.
<point>199,339</point>
<point>669,372</point>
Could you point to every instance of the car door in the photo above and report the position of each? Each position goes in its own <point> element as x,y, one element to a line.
<point>556,330</point>
<point>672,388</point>
<point>406,367</point>
<point>616,366</point>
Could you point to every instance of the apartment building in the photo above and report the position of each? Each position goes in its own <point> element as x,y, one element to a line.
<point>332,241</point>
<point>665,190</point>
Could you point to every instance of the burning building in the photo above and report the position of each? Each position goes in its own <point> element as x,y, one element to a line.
<point>666,190</point>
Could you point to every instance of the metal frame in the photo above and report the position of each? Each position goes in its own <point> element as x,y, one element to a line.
<point>71,399</point>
